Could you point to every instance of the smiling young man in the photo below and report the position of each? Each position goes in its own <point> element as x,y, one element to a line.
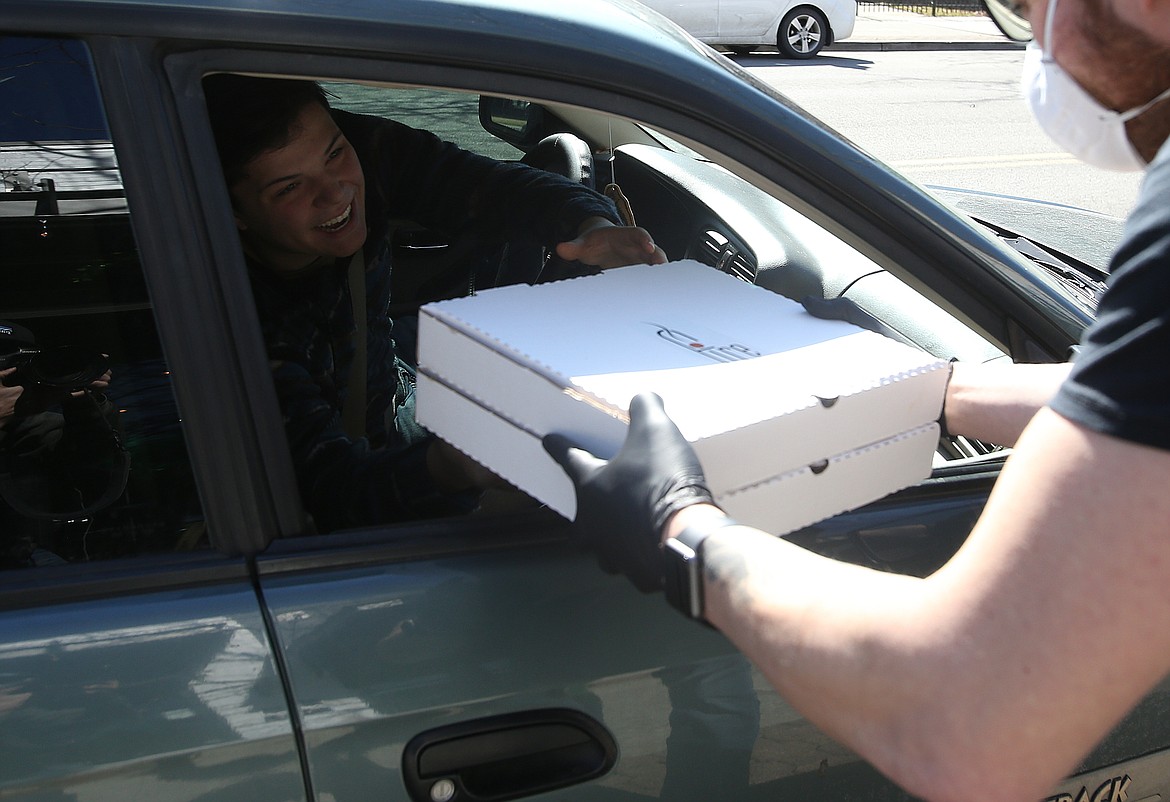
<point>993,677</point>
<point>314,191</point>
<point>304,201</point>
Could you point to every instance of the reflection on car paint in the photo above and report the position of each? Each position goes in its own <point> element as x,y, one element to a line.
<point>84,686</point>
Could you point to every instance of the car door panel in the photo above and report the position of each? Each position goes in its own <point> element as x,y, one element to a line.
<point>746,20</point>
<point>382,649</point>
<point>471,636</point>
<point>413,638</point>
<point>170,695</point>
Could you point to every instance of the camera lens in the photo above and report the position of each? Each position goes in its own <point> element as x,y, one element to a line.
<point>69,367</point>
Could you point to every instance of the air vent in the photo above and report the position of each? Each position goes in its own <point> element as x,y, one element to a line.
<point>741,267</point>
<point>958,447</point>
<point>718,251</point>
<point>711,247</point>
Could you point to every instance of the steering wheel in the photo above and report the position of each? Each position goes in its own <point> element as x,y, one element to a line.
<point>568,155</point>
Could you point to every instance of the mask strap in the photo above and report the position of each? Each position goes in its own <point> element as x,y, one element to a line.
<point>1129,115</point>
<point>1049,14</point>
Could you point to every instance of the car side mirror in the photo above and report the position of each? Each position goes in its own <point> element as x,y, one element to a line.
<point>517,122</point>
<point>1010,22</point>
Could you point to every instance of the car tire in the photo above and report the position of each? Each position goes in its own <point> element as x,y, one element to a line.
<point>802,33</point>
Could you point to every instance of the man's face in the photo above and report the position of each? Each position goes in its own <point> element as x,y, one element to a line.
<point>1098,46</point>
<point>1120,65</point>
<point>1078,57</point>
<point>304,200</point>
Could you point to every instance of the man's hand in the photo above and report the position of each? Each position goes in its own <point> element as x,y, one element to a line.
<point>98,385</point>
<point>602,244</point>
<point>624,504</point>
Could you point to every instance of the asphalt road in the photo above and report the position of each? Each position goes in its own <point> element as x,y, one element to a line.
<point>947,118</point>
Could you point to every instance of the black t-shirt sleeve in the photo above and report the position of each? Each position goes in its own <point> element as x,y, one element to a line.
<point>1120,384</point>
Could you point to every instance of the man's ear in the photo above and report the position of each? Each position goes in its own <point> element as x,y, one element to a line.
<point>240,224</point>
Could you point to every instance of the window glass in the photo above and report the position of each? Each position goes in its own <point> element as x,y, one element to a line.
<point>452,116</point>
<point>92,460</point>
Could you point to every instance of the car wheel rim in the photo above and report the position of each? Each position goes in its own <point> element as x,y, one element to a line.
<point>804,34</point>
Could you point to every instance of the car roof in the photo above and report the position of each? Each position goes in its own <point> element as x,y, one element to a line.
<point>239,20</point>
<point>534,35</point>
<point>533,38</point>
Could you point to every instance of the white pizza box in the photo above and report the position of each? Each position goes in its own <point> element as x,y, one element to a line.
<point>766,393</point>
<point>840,483</point>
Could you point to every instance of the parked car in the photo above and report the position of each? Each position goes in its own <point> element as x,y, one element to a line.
<point>191,638</point>
<point>798,28</point>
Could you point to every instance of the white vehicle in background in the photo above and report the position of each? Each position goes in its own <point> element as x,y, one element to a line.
<point>798,28</point>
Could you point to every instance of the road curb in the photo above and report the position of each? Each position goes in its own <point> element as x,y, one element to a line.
<point>889,46</point>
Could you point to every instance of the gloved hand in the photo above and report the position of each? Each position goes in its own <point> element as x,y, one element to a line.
<point>624,504</point>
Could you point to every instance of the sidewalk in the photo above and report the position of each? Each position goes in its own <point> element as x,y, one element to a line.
<point>887,29</point>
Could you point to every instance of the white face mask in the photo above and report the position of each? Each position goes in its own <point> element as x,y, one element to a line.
<point>1070,115</point>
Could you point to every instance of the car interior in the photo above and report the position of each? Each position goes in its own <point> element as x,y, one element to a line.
<point>694,208</point>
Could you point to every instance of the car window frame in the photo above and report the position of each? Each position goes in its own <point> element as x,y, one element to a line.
<point>195,268</point>
<point>245,485</point>
<point>185,70</point>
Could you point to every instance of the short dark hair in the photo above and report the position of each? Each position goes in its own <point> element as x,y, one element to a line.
<point>250,115</point>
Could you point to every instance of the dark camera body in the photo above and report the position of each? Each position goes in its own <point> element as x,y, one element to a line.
<point>12,356</point>
<point>67,367</point>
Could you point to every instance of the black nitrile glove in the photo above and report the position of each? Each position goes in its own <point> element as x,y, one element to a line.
<point>623,504</point>
<point>845,309</point>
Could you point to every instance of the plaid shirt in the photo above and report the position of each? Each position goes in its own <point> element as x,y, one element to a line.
<point>308,324</point>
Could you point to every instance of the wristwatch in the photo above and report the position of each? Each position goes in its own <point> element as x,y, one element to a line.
<point>684,568</point>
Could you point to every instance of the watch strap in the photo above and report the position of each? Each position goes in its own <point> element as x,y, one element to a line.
<point>684,568</point>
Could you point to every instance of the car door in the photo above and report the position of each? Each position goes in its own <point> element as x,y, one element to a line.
<point>747,20</point>
<point>487,657</point>
<point>135,661</point>
<point>484,655</point>
<point>700,18</point>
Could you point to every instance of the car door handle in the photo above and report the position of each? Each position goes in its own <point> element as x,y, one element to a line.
<point>507,756</point>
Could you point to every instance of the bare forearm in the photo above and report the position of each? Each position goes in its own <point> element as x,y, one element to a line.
<point>994,403</point>
<point>808,624</point>
<point>974,682</point>
<point>849,649</point>
<point>885,664</point>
